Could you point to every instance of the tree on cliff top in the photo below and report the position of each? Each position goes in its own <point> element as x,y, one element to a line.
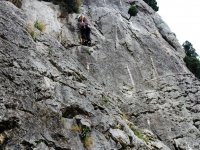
<point>189,50</point>
<point>152,4</point>
<point>191,60</point>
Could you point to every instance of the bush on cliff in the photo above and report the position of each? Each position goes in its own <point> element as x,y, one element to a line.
<point>132,11</point>
<point>72,5</point>
<point>68,6</point>
<point>152,4</point>
<point>189,50</point>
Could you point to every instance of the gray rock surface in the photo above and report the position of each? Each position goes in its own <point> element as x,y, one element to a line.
<point>56,94</point>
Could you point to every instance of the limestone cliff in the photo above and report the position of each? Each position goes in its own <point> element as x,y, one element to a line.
<point>130,90</point>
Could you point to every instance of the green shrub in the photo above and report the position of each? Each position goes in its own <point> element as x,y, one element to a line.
<point>85,137</point>
<point>85,131</point>
<point>67,6</point>
<point>72,5</point>
<point>152,4</point>
<point>132,11</point>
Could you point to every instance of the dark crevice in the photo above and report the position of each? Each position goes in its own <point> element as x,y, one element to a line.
<point>3,36</point>
<point>17,3</point>
<point>127,48</point>
<point>27,145</point>
<point>143,113</point>
<point>98,23</point>
<point>3,142</point>
<point>98,107</point>
<point>43,98</point>
<point>60,148</point>
<point>191,109</point>
<point>174,144</point>
<point>8,76</point>
<point>51,144</point>
<point>66,84</point>
<point>196,123</point>
<point>10,105</point>
<point>62,82</point>
<point>124,17</point>
<point>71,111</point>
<point>77,76</point>
<point>9,124</point>
<point>27,111</point>
<point>55,65</point>
<point>58,136</point>
<point>176,148</point>
<point>70,45</point>
<point>103,16</point>
<point>178,137</point>
<point>98,27</point>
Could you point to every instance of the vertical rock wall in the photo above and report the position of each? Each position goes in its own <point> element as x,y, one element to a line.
<point>130,90</point>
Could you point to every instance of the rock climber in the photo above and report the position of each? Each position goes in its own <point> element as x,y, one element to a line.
<point>84,31</point>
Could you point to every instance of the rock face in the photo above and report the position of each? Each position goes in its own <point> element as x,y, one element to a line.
<point>130,90</point>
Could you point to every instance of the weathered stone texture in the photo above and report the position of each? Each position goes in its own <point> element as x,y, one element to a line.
<point>130,90</point>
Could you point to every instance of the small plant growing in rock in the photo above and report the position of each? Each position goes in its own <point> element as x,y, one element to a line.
<point>77,4</point>
<point>40,25</point>
<point>87,50</point>
<point>104,99</point>
<point>30,29</point>
<point>132,11</point>
<point>124,117</point>
<point>87,142</point>
<point>139,134</point>
<point>85,137</point>
<point>76,128</point>
<point>2,139</point>
<point>118,126</point>
<point>84,133</point>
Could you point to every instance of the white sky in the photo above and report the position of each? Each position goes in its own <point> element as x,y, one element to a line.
<point>183,18</point>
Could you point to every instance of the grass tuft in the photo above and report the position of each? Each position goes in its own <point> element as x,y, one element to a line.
<point>30,29</point>
<point>40,25</point>
<point>76,128</point>
<point>87,142</point>
<point>140,135</point>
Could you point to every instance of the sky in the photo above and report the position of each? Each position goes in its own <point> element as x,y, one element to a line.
<point>183,18</point>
